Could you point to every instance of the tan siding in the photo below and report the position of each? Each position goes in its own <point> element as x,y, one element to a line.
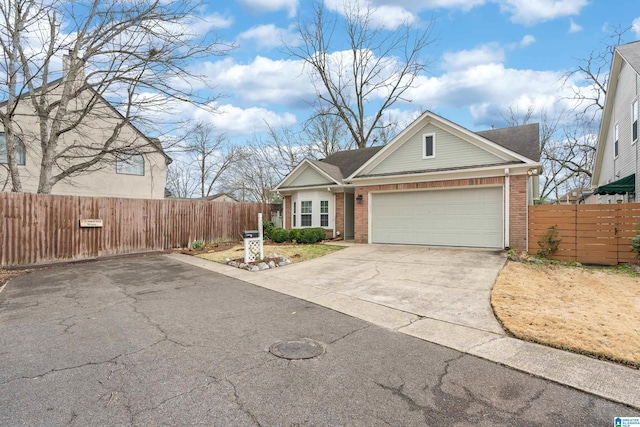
<point>451,152</point>
<point>103,179</point>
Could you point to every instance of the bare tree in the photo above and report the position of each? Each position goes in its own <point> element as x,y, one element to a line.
<point>207,156</point>
<point>593,73</point>
<point>359,84</point>
<point>135,55</point>
<point>326,134</point>
<point>268,161</point>
<point>567,149</point>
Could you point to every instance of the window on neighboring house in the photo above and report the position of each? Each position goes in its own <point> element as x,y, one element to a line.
<point>294,214</point>
<point>429,146</point>
<point>634,120</point>
<point>20,150</point>
<point>130,164</point>
<point>305,213</point>
<point>324,213</point>
<point>615,141</point>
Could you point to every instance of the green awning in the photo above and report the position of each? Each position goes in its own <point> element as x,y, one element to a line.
<point>621,186</point>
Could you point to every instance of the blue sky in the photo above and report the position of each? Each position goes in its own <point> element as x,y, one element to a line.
<point>489,55</point>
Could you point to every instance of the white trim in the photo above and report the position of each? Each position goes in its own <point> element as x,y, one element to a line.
<point>507,207</point>
<point>424,145</point>
<point>485,172</point>
<point>287,191</point>
<point>298,170</point>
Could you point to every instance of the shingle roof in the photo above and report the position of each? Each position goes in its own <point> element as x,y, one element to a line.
<point>524,140</point>
<point>631,53</point>
<point>348,161</point>
<point>332,170</point>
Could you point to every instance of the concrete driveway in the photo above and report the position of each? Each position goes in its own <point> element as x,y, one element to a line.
<point>445,284</point>
<point>440,295</point>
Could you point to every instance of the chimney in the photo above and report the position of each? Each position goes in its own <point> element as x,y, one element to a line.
<point>73,65</point>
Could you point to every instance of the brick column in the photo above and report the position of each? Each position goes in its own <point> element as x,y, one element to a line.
<point>361,212</point>
<point>518,212</point>
<point>286,217</point>
<point>339,204</point>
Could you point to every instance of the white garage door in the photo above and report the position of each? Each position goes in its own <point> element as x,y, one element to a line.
<point>464,217</point>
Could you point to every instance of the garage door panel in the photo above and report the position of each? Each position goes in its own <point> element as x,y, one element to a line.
<point>461,217</point>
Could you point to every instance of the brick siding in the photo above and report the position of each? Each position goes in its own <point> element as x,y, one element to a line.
<point>339,204</point>
<point>286,220</point>
<point>518,213</point>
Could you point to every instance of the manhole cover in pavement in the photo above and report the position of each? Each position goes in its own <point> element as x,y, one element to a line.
<point>303,348</point>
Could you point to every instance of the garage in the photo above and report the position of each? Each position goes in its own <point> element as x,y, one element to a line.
<point>470,217</point>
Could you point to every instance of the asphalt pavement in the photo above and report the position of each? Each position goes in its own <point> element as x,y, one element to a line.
<point>150,340</point>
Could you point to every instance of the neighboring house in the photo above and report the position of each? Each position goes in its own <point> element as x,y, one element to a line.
<point>616,168</point>
<point>574,197</point>
<point>220,197</point>
<point>138,174</point>
<point>436,183</point>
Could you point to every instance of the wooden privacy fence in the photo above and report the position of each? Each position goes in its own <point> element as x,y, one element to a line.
<point>591,234</point>
<point>37,228</point>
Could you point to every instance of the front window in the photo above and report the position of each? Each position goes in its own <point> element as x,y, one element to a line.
<point>429,146</point>
<point>634,120</point>
<point>305,213</point>
<point>615,141</point>
<point>324,213</point>
<point>130,164</point>
<point>20,150</point>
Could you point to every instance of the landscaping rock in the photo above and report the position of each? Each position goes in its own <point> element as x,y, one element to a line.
<point>272,264</point>
<point>254,268</point>
<point>263,266</point>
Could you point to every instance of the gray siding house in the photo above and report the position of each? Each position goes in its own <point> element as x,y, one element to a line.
<point>615,175</point>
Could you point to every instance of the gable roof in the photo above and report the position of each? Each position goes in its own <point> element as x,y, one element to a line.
<point>523,139</point>
<point>504,145</point>
<point>153,142</point>
<point>629,53</point>
<point>349,161</point>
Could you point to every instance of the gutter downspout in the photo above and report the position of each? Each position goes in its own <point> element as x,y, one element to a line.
<point>507,196</point>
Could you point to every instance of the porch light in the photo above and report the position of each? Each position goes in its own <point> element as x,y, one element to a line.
<point>359,198</point>
<point>532,172</point>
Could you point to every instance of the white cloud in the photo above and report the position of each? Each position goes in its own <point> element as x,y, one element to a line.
<point>527,41</point>
<point>269,36</point>
<point>489,89</point>
<point>260,6</point>
<point>262,81</point>
<point>531,12</point>
<point>635,27</point>
<point>485,54</point>
<point>385,13</point>
<point>236,121</point>
<point>573,27</point>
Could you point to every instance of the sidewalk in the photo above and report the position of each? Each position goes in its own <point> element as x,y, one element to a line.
<point>608,380</point>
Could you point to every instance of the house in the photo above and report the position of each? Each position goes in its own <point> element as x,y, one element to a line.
<point>575,196</point>
<point>616,165</point>
<point>221,197</point>
<point>138,173</point>
<point>436,183</point>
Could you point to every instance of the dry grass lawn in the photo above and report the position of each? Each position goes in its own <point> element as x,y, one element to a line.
<point>295,253</point>
<point>594,311</point>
